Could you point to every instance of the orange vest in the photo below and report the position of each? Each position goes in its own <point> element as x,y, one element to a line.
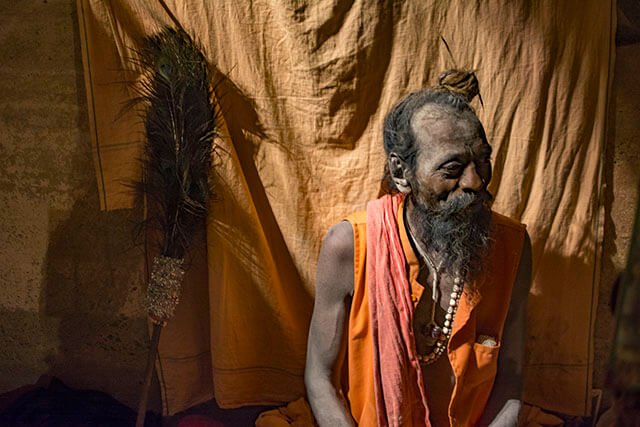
<point>481,312</point>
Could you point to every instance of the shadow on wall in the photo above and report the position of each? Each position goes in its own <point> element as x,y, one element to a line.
<point>93,291</point>
<point>561,357</point>
<point>94,280</point>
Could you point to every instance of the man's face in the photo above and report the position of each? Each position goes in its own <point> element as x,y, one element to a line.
<point>452,159</point>
<point>451,211</point>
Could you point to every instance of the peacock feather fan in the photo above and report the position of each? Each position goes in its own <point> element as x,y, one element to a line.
<point>180,125</point>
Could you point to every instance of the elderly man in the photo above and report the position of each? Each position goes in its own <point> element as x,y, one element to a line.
<point>419,316</point>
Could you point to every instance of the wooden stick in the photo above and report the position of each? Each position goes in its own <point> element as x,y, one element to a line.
<point>151,359</point>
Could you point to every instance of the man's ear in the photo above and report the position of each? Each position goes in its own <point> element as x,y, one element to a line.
<point>398,170</point>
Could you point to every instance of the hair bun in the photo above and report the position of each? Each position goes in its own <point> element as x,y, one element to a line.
<point>460,82</point>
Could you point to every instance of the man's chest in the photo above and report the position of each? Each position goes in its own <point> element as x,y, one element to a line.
<point>433,317</point>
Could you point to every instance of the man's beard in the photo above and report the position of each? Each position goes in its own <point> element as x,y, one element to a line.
<point>458,230</point>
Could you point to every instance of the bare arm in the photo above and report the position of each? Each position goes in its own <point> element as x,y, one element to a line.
<point>327,338</point>
<point>504,402</point>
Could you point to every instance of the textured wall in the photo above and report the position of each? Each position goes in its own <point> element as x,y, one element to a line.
<point>622,176</point>
<point>70,283</point>
<point>70,293</point>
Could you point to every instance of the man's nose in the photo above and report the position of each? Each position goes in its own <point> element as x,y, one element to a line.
<point>470,180</point>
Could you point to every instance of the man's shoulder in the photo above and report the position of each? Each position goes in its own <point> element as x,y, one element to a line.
<point>357,218</point>
<point>506,223</point>
<point>337,245</point>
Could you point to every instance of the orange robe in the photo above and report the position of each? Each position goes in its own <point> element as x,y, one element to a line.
<point>482,312</point>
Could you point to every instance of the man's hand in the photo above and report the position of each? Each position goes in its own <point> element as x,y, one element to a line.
<point>326,345</point>
<point>508,415</point>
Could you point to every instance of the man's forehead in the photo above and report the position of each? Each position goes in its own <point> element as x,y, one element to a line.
<point>435,124</point>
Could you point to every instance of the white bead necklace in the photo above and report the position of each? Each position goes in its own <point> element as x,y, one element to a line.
<point>436,336</point>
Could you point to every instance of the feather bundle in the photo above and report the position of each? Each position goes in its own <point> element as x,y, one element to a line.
<point>179,118</point>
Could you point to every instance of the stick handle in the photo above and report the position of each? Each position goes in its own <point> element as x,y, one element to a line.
<point>151,358</point>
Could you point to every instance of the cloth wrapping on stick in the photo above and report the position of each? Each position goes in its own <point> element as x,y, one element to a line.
<point>306,86</point>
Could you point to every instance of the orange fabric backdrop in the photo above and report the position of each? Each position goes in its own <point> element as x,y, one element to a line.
<point>304,87</point>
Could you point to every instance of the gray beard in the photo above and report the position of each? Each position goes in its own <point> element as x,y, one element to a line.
<point>458,230</point>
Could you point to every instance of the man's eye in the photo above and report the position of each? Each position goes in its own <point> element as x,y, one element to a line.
<point>452,171</point>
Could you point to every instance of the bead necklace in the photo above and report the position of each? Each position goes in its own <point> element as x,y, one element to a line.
<point>436,336</point>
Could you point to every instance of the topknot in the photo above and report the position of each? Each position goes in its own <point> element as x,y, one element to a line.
<point>463,83</point>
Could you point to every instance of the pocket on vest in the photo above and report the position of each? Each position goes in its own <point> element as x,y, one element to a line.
<point>483,364</point>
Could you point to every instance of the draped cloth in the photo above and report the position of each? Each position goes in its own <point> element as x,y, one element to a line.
<point>399,390</point>
<point>303,87</point>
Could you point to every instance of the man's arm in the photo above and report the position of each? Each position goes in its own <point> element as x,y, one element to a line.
<point>504,402</point>
<point>334,288</point>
